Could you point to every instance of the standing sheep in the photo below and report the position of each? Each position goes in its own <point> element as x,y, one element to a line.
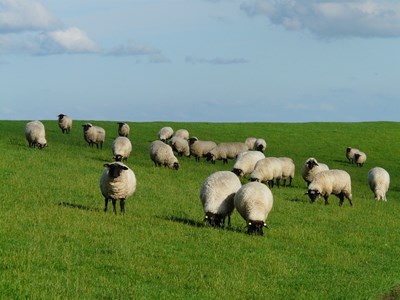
<point>118,183</point>
<point>35,134</point>
<point>180,145</point>
<point>325,183</point>
<point>121,148</point>
<point>254,202</point>
<point>359,158</point>
<point>162,154</point>
<point>288,169</point>
<point>267,170</point>
<point>260,145</point>
<point>379,181</point>
<point>165,134</point>
<point>65,123</point>
<point>216,195</point>
<point>200,148</point>
<point>310,168</point>
<point>94,135</point>
<point>225,151</point>
<point>123,129</point>
<point>246,162</point>
<point>350,153</point>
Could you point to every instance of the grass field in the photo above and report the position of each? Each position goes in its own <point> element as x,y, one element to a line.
<point>56,241</point>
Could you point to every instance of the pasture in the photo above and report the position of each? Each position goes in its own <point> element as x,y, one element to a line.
<point>56,241</point>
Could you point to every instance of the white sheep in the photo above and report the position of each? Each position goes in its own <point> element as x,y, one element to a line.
<point>65,123</point>
<point>254,202</point>
<point>123,129</point>
<point>216,195</point>
<point>288,169</point>
<point>121,148</point>
<point>165,134</point>
<point>118,183</point>
<point>182,133</point>
<point>310,168</point>
<point>250,141</point>
<point>180,145</point>
<point>246,162</point>
<point>94,135</point>
<point>162,154</point>
<point>350,153</point>
<point>267,170</point>
<point>325,183</point>
<point>35,134</point>
<point>379,181</point>
<point>260,145</point>
<point>359,158</point>
<point>225,151</point>
<point>200,148</point>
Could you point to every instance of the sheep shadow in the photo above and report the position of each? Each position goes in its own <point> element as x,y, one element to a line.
<point>78,206</point>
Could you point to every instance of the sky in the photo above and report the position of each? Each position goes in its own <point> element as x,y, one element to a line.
<point>200,60</point>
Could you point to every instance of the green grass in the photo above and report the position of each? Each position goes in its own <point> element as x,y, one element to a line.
<point>56,241</point>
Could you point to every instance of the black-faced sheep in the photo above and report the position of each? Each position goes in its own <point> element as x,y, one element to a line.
<point>65,123</point>
<point>121,148</point>
<point>246,162</point>
<point>123,129</point>
<point>310,168</point>
<point>379,181</point>
<point>35,134</point>
<point>162,155</point>
<point>94,135</point>
<point>200,148</point>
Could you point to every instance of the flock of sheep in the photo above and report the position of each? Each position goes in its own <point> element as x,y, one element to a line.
<point>222,191</point>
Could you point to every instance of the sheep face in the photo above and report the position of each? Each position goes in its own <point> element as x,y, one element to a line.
<point>311,164</point>
<point>256,227</point>
<point>86,126</point>
<point>114,170</point>
<point>254,179</point>
<point>313,195</point>
<point>175,166</point>
<point>260,148</point>
<point>118,157</point>
<point>215,220</point>
<point>238,172</point>
<point>61,116</point>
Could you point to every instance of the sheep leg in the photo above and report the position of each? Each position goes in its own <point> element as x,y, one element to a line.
<point>113,203</point>
<point>341,199</point>
<point>122,205</point>
<point>326,199</point>
<point>105,204</point>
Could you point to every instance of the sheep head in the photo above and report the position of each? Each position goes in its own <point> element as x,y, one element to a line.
<point>115,169</point>
<point>256,227</point>
<point>313,194</point>
<point>215,220</point>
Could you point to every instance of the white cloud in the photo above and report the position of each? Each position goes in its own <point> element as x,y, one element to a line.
<point>215,61</point>
<point>336,18</point>
<point>133,49</point>
<point>73,40</point>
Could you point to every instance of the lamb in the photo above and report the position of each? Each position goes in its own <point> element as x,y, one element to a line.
<point>121,148</point>
<point>379,181</point>
<point>288,169</point>
<point>250,141</point>
<point>123,129</point>
<point>350,153</point>
<point>118,183</point>
<point>180,145</point>
<point>260,145</point>
<point>182,133</point>
<point>162,154</point>
<point>65,123</point>
<point>225,151</point>
<point>359,158</point>
<point>267,170</point>
<point>310,168</point>
<point>165,134</point>
<point>35,134</point>
<point>325,183</point>
<point>200,148</point>
<point>254,202</point>
<point>246,162</point>
<point>216,195</point>
<point>94,135</point>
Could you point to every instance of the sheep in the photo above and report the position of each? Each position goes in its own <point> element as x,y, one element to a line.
<point>246,162</point>
<point>162,154</point>
<point>216,195</point>
<point>65,123</point>
<point>350,153</point>
<point>288,169</point>
<point>254,202</point>
<point>359,158</point>
<point>379,181</point>
<point>182,133</point>
<point>180,145</point>
<point>165,134</point>
<point>260,145</point>
<point>310,168</point>
<point>121,148</point>
<point>35,134</point>
<point>123,129</point>
<point>118,183</point>
<point>267,170</point>
<point>94,135</point>
<point>250,141</point>
<point>225,151</point>
<point>200,148</point>
<point>325,183</point>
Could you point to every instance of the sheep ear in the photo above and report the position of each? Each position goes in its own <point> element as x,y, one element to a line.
<point>306,193</point>
<point>107,165</point>
<point>125,168</point>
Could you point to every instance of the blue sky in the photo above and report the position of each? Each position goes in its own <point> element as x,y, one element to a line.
<point>200,60</point>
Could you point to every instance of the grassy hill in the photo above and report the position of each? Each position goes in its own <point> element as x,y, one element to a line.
<point>56,241</point>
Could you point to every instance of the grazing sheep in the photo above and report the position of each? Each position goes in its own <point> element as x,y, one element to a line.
<point>288,169</point>
<point>225,151</point>
<point>379,181</point>
<point>250,141</point>
<point>180,145</point>
<point>35,134</point>
<point>267,170</point>
<point>121,148</point>
<point>254,202</point>
<point>200,148</point>
<point>162,154</point>
<point>65,123</point>
<point>182,133</point>
<point>123,129</point>
<point>216,195</point>
<point>310,168</point>
<point>246,162</point>
<point>165,134</point>
<point>94,135</point>
<point>118,183</point>
<point>359,158</point>
<point>325,183</point>
<point>260,145</point>
<point>350,153</point>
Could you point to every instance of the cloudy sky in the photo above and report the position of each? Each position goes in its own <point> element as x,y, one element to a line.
<point>200,60</point>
